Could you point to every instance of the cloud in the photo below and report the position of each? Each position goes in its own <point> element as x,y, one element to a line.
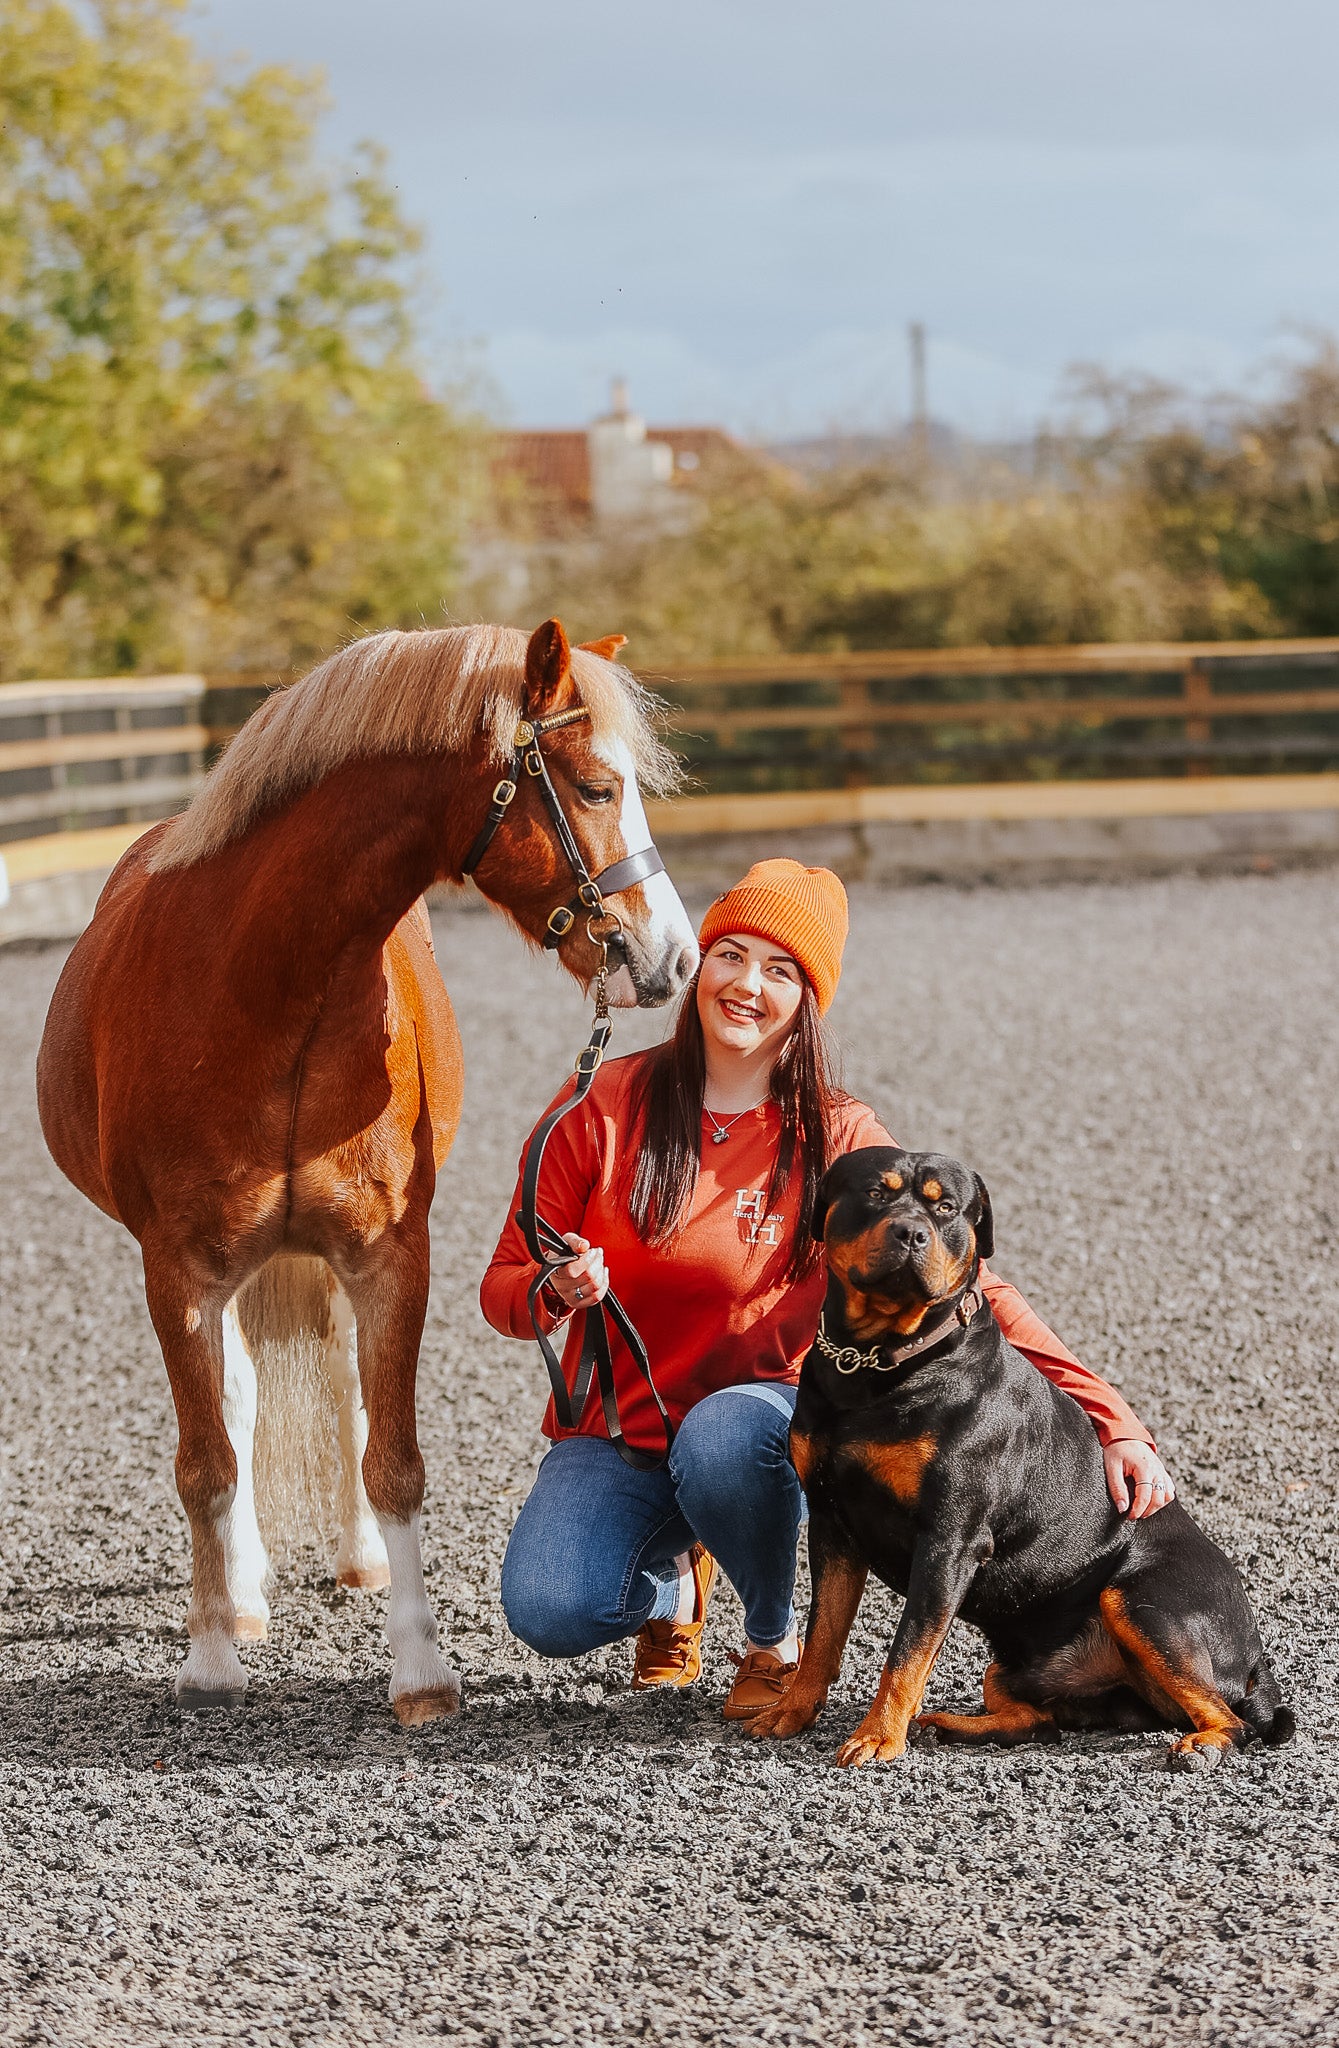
<point>741,203</point>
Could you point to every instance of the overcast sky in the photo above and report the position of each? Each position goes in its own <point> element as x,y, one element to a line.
<point>740,204</point>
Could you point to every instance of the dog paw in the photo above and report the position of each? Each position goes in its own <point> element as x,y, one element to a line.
<point>871,1745</point>
<point>783,1720</point>
<point>1190,1755</point>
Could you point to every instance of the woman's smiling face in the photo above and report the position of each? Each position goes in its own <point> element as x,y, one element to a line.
<point>748,992</point>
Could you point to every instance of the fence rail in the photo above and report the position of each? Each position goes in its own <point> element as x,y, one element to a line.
<point>111,751</point>
<point>120,751</point>
<point>988,714</point>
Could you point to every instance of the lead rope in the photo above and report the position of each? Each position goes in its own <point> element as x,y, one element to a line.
<point>550,1250</point>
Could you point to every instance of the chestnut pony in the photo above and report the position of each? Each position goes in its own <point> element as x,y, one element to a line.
<point>251,1062</point>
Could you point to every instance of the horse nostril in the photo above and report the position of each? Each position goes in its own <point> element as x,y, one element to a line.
<point>684,966</point>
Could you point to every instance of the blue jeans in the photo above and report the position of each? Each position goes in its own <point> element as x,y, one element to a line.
<point>592,1555</point>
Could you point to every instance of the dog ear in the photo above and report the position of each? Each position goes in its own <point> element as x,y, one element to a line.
<point>548,668</point>
<point>822,1203</point>
<point>984,1220</point>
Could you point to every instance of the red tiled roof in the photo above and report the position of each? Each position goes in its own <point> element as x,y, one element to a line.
<point>552,464</point>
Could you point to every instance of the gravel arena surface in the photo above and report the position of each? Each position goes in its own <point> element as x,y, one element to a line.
<point>1147,1076</point>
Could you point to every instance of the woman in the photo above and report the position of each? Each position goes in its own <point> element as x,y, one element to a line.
<point>690,1171</point>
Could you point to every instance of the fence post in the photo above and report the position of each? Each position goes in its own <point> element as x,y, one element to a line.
<point>1197,691</point>
<point>855,739</point>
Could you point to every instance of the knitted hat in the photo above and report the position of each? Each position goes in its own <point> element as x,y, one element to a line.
<point>802,909</point>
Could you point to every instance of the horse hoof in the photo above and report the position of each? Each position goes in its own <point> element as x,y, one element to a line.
<point>250,1628</point>
<point>196,1699</point>
<point>416,1709</point>
<point>366,1578</point>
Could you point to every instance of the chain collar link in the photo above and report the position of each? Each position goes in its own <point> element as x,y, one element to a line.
<point>887,1357</point>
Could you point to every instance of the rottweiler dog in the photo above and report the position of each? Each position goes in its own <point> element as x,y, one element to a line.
<point>936,1457</point>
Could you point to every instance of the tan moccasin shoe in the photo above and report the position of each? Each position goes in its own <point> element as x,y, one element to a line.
<point>761,1679</point>
<point>670,1652</point>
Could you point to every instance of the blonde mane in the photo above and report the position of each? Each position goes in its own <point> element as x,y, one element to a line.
<point>398,693</point>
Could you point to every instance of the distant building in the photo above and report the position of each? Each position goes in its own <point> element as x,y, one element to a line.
<point>617,471</point>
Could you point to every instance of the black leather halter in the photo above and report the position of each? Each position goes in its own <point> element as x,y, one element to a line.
<point>591,890</point>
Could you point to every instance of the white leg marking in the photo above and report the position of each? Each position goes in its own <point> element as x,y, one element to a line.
<point>213,1672</point>
<point>361,1558</point>
<point>423,1685</point>
<point>244,1552</point>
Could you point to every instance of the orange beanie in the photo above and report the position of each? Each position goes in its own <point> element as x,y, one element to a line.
<point>802,909</point>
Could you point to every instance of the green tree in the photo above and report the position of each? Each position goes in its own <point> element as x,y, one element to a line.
<point>216,445</point>
<point>878,558</point>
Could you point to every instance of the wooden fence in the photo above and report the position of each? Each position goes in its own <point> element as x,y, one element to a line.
<point>120,751</point>
<point>987,714</point>
<point>76,756</point>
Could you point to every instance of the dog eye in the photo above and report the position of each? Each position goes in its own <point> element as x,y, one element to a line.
<point>946,1207</point>
<point>592,795</point>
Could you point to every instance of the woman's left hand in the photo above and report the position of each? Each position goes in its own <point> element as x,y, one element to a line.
<point>1134,1466</point>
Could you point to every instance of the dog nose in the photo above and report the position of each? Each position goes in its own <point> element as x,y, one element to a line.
<point>913,1236</point>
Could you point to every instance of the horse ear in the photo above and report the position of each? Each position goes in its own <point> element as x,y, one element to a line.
<point>608,648</point>
<point>985,1220</point>
<point>548,667</point>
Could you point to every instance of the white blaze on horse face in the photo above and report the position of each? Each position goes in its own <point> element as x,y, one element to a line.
<point>244,1552</point>
<point>669,944</point>
<point>419,1671</point>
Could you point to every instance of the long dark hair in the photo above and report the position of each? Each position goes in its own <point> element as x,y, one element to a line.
<point>668,1108</point>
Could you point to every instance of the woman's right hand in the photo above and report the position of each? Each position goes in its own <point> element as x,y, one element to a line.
<point>583,1281</point>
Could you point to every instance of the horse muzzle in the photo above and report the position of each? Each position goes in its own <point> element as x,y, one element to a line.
<point>647,984</point>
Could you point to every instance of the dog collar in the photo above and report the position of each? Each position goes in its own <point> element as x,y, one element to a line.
<point>887,1357</point>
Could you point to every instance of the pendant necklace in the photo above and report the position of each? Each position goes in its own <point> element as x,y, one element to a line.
<point>721,1131</point>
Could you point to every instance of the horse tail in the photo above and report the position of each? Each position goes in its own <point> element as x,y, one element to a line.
<point>284,1312</point>
<point>1263,1710</point>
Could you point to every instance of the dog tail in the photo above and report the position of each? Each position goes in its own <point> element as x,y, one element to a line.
<point>1263,1709</point>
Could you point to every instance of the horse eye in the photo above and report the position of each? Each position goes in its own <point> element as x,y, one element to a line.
<point>591,795</point>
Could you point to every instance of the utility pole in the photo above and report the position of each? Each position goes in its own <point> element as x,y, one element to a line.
<point>920,421</point>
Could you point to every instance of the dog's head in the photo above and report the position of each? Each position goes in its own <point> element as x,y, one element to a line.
<point>903,1232</point>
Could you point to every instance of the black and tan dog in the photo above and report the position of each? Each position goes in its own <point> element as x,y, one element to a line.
<point>936,1457</point>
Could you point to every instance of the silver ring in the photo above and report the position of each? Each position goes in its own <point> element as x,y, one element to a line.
<point>579,1293</point>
